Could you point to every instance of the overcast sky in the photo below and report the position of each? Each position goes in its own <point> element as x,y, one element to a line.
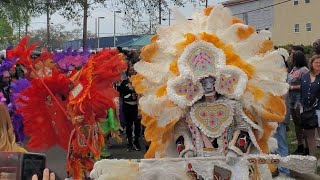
<point>106,24</point>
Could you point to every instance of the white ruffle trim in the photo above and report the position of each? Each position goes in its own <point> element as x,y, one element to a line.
<point>143,169</point>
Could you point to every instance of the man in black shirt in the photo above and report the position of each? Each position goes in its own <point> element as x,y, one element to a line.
<point>130,111</point>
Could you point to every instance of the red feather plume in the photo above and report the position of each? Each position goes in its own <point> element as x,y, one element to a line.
<point>44,122</point>
<point>97,78</point>
<point>23,52</point>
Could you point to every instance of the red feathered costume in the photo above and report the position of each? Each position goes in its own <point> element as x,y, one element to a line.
<point>92,95</point>
<point>44,122</point>
<point>63,111</point>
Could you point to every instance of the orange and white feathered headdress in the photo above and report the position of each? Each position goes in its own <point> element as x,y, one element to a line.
<point>213,44</point>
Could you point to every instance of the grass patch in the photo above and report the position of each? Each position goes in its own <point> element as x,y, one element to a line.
<point>291,137</point>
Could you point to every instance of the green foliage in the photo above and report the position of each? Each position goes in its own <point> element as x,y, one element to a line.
<point>20,12</point>
<point>58,35</point>
<point>307,49</point>
<point>6,32</point>
<point>292,143</point>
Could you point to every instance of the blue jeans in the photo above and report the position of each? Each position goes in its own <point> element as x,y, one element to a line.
<point>282,150</point>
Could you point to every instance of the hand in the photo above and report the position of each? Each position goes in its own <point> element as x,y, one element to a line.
<point>46,175</point>
<point>186,153</point>
<point>231,158</point>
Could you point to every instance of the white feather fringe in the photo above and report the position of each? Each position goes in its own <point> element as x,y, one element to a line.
<point>162,171</point>
<point>220,18</point>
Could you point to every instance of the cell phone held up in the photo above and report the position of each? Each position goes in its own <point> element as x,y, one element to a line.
<point>21,166</point>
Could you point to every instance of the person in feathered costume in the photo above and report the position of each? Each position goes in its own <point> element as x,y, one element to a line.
<point>11,88</point>
<point>39,97</point>
<point>212,86</point>
<point>91,96</point>
<point>70,60</point>
<point>43,65</point>
<point>17,119</point>
<point>39,109</point>
<point>68,109</point>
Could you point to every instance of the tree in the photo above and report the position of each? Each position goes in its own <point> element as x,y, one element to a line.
<point>58,36</point>
<point>20,12</point>
<point>71,9</point>
<point>156,9</point>
<point>77,34</point>
<point>6,33</point>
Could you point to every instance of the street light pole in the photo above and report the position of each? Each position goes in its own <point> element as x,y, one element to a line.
<point>169,17</point>
<point>114,27</point>
<point>99,31</point>
<point>96,34</point>
<point>48,24</point>
<point>160,12</point>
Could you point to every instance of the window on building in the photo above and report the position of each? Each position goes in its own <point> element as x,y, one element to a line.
<point>307,1</point>
<point>295,2</point>
<point>296,28</point>
<point>308,27</point>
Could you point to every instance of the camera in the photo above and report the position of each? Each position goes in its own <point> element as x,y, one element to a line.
<point>21,166</point>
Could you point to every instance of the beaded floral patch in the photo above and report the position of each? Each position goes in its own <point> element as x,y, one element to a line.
<point>189,90</point>
<point>201,61</point>
<point>86,131</point>
<point>231,82</point>
<point>228,83</point>
<point>183,91</point>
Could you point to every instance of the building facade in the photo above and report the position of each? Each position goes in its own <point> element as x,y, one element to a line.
<point>290,21</point>
<point>256,13</point>
<point>296,22</point>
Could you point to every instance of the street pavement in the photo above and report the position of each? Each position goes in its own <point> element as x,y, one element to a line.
<point>56,156</point>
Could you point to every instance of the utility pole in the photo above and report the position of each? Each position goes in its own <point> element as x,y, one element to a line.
<point>85,23</point>
<point>150,24</point>
<point>160,12</point>
<point>48,25</point>
<point>132,26</point>
<point>96,41</point>
<point>114,28</point>
<point>19,28</point>
<point>169,17</point>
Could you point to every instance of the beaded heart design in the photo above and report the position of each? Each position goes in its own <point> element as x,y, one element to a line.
<point>212,118</point>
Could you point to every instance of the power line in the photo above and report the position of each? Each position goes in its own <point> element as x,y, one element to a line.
<point>264,7</point>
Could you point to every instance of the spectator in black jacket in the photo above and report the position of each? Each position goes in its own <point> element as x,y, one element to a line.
<point>130,111</point>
